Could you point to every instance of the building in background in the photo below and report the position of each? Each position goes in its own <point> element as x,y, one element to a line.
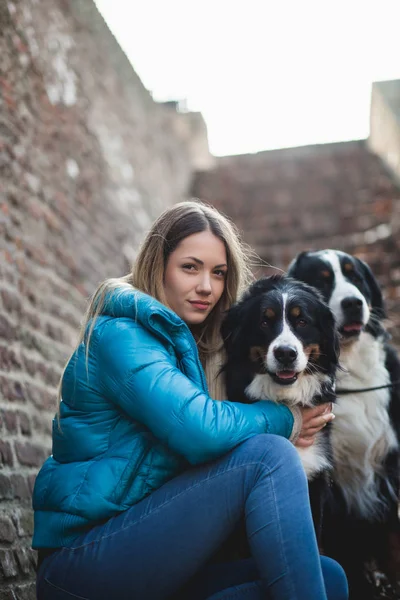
<point>343,195</point>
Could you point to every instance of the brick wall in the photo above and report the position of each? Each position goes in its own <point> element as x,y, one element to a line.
<point>330,196</point>
<point>87,160</point>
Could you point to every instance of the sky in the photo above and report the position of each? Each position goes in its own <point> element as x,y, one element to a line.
<point>265,74</point>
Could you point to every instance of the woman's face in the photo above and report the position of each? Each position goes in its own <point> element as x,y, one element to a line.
<point>194,277</point>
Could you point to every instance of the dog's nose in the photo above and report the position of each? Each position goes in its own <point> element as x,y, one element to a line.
<point>286,355</point>
<point>351,303</point>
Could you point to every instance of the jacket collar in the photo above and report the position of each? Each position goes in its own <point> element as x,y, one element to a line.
<point>126,301</point>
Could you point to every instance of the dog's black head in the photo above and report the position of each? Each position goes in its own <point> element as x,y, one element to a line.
<point>348,286</point>
<point>280,329</point>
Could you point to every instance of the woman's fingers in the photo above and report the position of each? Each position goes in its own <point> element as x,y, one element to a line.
<point>302,442</point>
<point>316,424</point>
<point>311,432</point>
<point>316,411</point>
<point>314,419</point>
<point>317,416</point>
<point>312,413</point>
<point>319,422</point>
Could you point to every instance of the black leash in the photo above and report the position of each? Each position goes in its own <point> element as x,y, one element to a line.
<point>371,389</point>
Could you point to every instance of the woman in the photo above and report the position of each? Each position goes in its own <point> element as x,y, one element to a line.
<point>149,475</point>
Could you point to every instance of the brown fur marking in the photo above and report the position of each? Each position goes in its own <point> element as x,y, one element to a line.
<point>295,311</point>
<point>257,355</point>
<point>313,352</point>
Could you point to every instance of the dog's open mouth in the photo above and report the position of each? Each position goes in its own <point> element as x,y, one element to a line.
<point>285,377</point>
<point>350,329</point>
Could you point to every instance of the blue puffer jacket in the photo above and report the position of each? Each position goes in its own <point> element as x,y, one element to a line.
<point>132,417</point>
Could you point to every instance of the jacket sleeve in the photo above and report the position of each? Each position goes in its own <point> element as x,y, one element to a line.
<point>138,374</point>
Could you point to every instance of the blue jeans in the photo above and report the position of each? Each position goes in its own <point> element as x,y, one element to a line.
<point>163,544</point>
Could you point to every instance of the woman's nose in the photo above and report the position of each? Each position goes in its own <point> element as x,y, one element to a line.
<point>204,285</point>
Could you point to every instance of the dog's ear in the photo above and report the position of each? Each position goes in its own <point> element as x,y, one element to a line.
<point>231,326</point>
<point>330,346</point>
<point>292,270</point>
<point>374,288</point>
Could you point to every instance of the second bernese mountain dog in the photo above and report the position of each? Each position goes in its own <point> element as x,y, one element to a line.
<point>361,524</point>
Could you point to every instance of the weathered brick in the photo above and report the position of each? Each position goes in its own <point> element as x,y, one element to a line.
<point>6,457</point>
<point>20,487</point>
<point>23,558</point>
<point>8,565</point>
<point>53,376</point>
<point>36,253</point>
<point>43,424</point>
<point>29,455</point>
<point>24,423</point>
<point>25,592</point>
<point>8,331</point>
<point>10,420</point>
<point>54,332</point>
<point>31,482</point>
<point>33,319</point>
<point>11,389</point>
<point>41,397</point>
<point>7,530</point>
<point>7,594</point>
<point>9,360</point>
<point>11,301</point>
<point>6,488</point>
<point>30,365</point>
<point>30,340</point>
<point>23,520</point>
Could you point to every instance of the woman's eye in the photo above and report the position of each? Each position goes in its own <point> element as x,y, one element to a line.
<point>189,267</point>
<point>220,273</point>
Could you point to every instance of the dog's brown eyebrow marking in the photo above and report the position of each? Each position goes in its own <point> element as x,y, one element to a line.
<point>348,267</point>
<point>270,313</point>
<point>325,273</point>
<point>295,311</point>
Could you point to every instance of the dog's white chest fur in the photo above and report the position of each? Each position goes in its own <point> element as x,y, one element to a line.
<point>362,434</point>
<point>314,458</point>
<point>262,387</point>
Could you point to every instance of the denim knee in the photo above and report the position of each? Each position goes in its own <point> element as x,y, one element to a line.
<point>273,450</point>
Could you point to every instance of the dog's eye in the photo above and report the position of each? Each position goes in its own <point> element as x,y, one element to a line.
<point>264,323</point>
<point>301,323</point>
<point>354,277</point>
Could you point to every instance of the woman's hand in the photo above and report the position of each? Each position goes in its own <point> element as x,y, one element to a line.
<point>314,419</point>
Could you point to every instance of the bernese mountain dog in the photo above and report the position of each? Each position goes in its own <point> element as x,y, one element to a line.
<point>281,344</point>
<point>361,523</point>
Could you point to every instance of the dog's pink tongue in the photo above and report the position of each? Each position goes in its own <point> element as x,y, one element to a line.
<point>286,374</point>
<point>352,327</point>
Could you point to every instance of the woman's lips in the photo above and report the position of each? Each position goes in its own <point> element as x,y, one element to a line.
<point>200,305</point>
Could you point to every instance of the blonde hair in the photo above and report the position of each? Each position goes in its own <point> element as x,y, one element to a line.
<point>172,226</point>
